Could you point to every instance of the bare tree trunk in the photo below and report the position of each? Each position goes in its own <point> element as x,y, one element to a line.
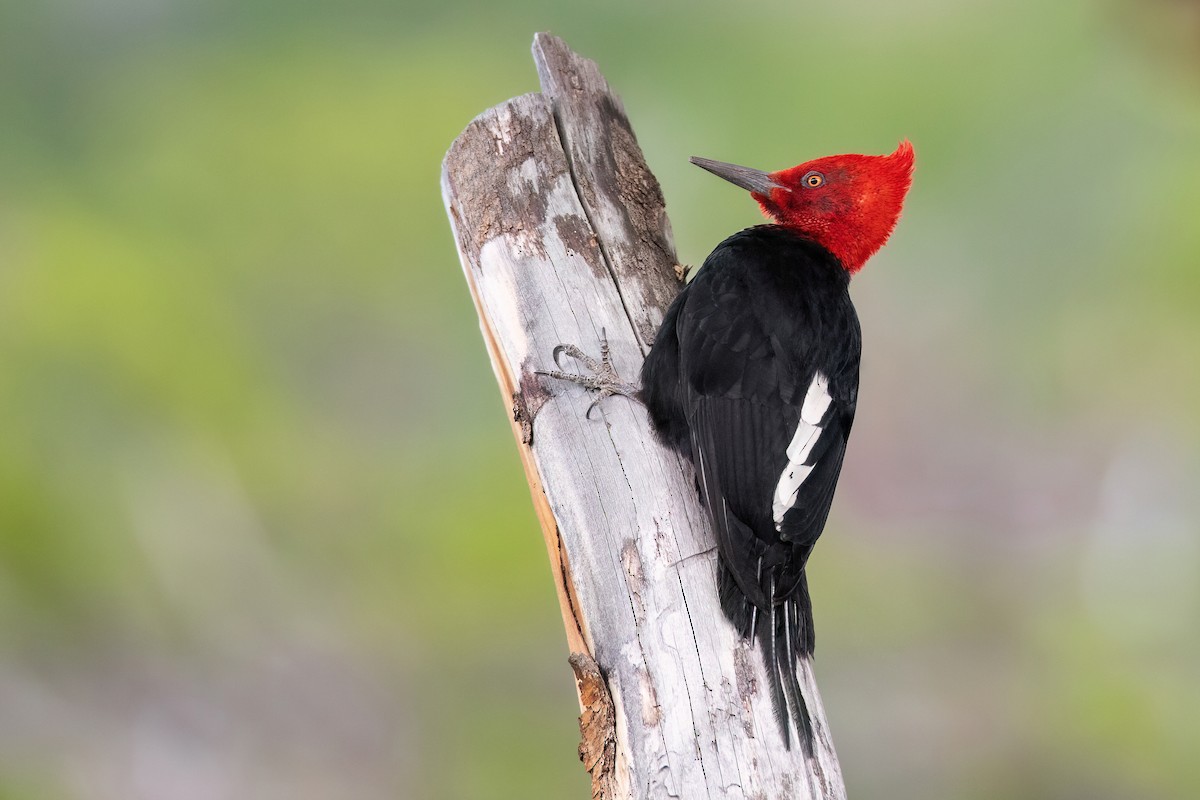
<point>563,234</point>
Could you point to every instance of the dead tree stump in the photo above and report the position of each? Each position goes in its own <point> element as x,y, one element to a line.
<point>563,234</point>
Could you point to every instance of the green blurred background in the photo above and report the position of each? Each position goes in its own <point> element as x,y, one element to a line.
<point>263,531</point>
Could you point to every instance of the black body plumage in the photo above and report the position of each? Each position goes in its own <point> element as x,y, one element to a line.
<point>726,382</point>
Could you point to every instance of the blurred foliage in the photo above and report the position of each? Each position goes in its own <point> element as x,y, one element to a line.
<point>263,532</point>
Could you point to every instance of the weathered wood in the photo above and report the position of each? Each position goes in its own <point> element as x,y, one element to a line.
<point>619,193</point>
<point>559,244</point>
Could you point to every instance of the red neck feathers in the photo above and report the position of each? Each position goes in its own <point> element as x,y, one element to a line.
<point>848,204</point>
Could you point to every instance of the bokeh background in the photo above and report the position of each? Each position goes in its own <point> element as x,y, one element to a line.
<point>263,531</point>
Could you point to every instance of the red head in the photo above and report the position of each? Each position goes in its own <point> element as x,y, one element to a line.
<point>848,204</point>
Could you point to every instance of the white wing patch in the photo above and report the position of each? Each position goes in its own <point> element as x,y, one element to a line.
<point>808,431</point>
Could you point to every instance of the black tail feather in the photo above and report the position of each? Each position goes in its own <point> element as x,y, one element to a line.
<point>774,656</point>
<point>738,610</point>
<point>791,683</point>
<point>784,632</point>
<point>805,635</point>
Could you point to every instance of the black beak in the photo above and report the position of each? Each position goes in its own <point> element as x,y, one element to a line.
<point>752,180</point>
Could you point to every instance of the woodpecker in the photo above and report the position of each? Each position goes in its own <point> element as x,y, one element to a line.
<point>753,376</point>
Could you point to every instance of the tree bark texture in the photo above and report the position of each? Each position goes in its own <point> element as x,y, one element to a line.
<point>563,236</point>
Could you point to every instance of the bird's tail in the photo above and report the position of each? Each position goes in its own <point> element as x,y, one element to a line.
<point>784,631</point>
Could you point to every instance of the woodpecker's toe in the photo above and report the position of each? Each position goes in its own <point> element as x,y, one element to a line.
<point>603,379</point>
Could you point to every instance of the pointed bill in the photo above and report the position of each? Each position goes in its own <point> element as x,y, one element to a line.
<point>753,180</point>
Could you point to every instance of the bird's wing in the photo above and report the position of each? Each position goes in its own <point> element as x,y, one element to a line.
<point>767,432</point>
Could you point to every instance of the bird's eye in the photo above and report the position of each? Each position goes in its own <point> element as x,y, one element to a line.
<point>813,179</point>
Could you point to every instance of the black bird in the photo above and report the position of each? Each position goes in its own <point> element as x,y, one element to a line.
<point>754,377</point>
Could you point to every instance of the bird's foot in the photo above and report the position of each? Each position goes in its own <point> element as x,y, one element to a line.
<point>604,379</point>
<point>682,271</point>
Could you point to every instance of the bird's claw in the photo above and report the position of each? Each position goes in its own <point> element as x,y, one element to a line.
<point>577,354</point>
<point>604,379</point>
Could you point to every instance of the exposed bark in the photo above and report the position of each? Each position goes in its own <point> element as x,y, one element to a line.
<point>597,725</point>
<point>562,233</point>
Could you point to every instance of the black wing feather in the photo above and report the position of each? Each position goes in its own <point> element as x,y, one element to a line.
<point>725,384</point>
